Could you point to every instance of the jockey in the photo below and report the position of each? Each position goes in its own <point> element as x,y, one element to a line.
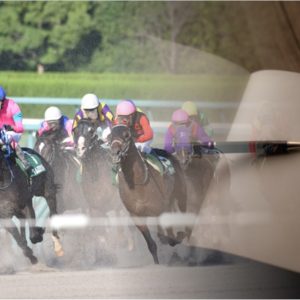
<point>12,120</point>
<point>197,116</point>
<point>181,120</point>
<point>137,121</point>
<point>55,121</point>
<point>93,109</point>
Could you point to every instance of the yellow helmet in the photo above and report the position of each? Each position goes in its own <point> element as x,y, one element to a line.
<point>190,107</point>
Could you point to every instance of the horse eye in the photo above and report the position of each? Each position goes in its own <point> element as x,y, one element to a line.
<point>126,135</point>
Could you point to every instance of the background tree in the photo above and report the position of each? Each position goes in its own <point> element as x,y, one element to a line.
<point>58,35</point>
<point>148,36</point>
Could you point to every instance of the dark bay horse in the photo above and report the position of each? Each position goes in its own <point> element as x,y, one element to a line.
<point>96,181</point>
<point>16,200</point>
<point>205,170</point>
<point>143,190</point>
<point>198,173</point>
<point>98,184</point>
<point>66,168</point>
<point>203,167</point>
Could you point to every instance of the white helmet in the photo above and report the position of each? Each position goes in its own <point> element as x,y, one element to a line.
<point>89,101</point>
<point>52,113</point>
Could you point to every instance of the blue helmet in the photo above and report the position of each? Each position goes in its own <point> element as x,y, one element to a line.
<point>2,93</point>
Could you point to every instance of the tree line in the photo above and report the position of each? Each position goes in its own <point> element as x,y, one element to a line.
<point>121,36</point>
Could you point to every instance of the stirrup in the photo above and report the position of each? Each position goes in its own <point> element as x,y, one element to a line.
<point>28,171</point>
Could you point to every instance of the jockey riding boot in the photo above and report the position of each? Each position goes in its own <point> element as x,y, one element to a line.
<point>21,156</point>
<point>156,156</point>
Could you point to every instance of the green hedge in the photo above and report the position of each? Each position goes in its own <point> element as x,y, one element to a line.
<point>138,86</point>
<point>118,86</point>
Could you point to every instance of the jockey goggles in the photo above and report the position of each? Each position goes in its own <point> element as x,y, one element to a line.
<point>179,124</point>
<point>53,125</point>
<point>125,120</point>
<point>92,113</point>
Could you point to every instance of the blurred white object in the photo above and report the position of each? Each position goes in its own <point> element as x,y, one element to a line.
<point>11,135</point>
<point>104,133</point>
<point>144,147</point>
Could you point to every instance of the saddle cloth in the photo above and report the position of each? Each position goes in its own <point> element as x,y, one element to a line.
<point>35,162</point>
<point>160,164</point>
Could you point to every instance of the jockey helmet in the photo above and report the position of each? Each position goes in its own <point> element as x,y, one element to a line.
<point>190,107</point>
<point>125,108</point>
<point>180,116</point>
<point>89,101</point>
<point>2,93</point>
<point>52,113</point>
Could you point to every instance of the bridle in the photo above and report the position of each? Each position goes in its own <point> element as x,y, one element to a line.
<point>51,147</point>
<point>124,145</point>
<point>184,156</point>
<point>86,131</point>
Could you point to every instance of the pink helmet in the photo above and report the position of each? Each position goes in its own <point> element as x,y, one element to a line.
<point>125,108</point>
<point>180,116</point>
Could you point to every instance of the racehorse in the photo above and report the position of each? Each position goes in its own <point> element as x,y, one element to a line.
<point>97,183</point>
<point>16,194</point>
<point>198,173</point>
<point>143,190</point>
<point>96,178</point>
<point>62,158</point>
<point>203,167</point>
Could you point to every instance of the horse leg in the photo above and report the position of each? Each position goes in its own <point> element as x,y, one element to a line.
<point>58,248</point>
<point>180,188</point>
<point>50,196</point>
<point>36,233</point>
<point>150,242</point>
<point>164,239</point>
<point>170,238</point>
<point>173,241</point>
<point>21,241</point>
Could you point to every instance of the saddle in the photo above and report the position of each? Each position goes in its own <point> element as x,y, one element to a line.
<point>161,164</point>
<point>34,161</point>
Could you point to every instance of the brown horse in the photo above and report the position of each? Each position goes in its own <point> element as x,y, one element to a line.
<point>97,184</point>
<point>198,173</point>
<point>143,190</point>
<point>204,169</point>
<point>101,195</point>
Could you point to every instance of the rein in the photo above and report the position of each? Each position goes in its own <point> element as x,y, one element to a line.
<point>11,175</point>
<point>146,171</point>
<point>52,155</point>
<point>7,151</point>
<point>124,153</point>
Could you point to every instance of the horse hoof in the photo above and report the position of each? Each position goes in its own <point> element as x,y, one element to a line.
<point>180,236</point>
<point>163,239</point>
<point>33,260</point>
<point>36,238</point>
<point>40,230</point>
<point>173,243</point>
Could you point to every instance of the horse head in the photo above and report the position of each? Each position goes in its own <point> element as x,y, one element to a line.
<point>85,137</point>
<point>49,145</point>
<point>183,146</point>
<point>120,141</point>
